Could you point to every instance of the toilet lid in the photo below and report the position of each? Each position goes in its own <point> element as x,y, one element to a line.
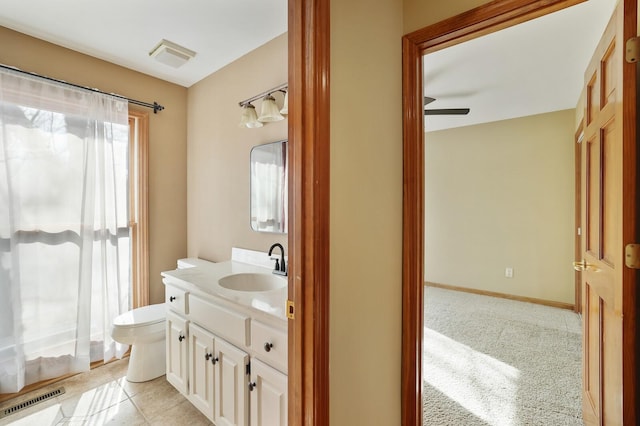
<point>142,316</point>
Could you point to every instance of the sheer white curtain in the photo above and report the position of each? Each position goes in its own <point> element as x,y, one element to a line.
<point>64,238</point>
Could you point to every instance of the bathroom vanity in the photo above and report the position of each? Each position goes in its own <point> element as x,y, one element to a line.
<point>226,341</point>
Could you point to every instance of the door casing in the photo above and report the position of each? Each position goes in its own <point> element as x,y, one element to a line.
<point>480,21</point>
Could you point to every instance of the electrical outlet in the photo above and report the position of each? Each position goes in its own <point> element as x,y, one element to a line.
<point>508,272</point>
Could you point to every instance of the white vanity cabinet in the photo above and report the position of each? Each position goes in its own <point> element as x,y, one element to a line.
<point>176,338</point>
<point>217,378</point>
<point>217,349</point>
<point>231,385</point>
<point>268,389</point>
<point>202,362</point>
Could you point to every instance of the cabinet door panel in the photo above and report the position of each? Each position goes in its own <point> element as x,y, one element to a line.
<point>201,369</point>
<point>231,402</point>
<point>177,329</point>
<point>269,396</point>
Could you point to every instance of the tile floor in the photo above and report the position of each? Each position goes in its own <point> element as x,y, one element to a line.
<point>104,396</point>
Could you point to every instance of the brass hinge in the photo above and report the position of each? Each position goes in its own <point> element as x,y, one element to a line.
<point>632,256</point>
<point>632,50</point>
<point>290,309</point>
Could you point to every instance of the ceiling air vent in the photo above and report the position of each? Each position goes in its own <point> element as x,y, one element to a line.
<point>171,54</point>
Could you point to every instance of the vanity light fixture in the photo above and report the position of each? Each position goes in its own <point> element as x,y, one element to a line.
<point>171,54</point>
<point>249,117</point>
<point>269,110</point>
<point>285,104</point>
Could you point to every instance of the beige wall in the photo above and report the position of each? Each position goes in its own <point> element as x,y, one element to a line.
<point>366,212</point>
<point>421,13</point>
<point>218,152</point>
<point>501,195</point>
<point>167,140</point>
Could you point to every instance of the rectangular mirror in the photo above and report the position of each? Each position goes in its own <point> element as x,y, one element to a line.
<point>269,187</point>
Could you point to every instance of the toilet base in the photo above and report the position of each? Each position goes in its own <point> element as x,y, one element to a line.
<point>147,361</point>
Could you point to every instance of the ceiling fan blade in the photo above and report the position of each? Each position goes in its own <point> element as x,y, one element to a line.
<point>447,111</point>
<point>428,100</point>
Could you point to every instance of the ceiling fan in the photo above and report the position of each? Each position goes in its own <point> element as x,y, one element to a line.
<point>445,111</point>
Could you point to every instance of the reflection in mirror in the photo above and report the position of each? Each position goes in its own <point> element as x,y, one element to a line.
<point>269,188</point>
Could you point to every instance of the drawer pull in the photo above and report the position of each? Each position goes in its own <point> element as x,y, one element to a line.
<point>180,337</point>
<point>252,386</point>
<point>172,298</point>
<point>210,357</point>
<point>268,346</point>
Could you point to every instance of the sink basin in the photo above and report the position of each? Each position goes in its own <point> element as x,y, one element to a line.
<point>252,282</point>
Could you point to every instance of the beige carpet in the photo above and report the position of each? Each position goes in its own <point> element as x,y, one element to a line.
<point>491,361</point>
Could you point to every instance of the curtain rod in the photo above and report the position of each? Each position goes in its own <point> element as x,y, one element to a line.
<point>155,106</point>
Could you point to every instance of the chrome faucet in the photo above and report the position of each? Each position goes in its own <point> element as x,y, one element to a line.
<point>281,267</point>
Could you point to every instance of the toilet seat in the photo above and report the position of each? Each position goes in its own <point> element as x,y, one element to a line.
<point>140,317</point>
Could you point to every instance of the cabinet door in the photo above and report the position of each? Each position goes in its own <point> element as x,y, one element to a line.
<point>177,374</point>
<point>202,362</point>
<point>231,390</point>
<point>268,396</point>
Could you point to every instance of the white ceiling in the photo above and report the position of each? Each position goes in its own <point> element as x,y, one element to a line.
<point>532,68</point>
<point>124,31</point>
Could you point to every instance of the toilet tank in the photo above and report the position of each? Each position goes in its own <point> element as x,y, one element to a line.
<point>192,262</point>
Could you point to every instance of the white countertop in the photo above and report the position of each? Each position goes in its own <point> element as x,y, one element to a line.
<point>204,278</point>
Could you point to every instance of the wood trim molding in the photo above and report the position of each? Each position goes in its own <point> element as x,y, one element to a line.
<point>553,304</point>
<point>412,234</point>
<point>480,21</point>
<point>139,164</point>
<point>577,256</point>
<point>630,227</point>
<point>486,19</point>
<point>308,146</point>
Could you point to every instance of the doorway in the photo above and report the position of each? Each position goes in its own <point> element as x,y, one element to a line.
<point>482,20</point>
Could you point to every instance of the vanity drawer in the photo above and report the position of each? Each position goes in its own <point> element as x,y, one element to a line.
<point>176,299</point>
<point>270,345</point>
<point>229,325</point>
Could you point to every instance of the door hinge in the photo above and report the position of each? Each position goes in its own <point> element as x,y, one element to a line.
<point>579,230</point>
<point>632,50</point>
<point>632,256</point>
<point>290,309</point>
<point>247,369</point>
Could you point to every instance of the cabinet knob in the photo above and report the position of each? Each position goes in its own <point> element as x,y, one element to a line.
<point>268,346</point>
<point>252,386</point>
<point>180,337</point>
<point>210,357</point>
<point>172,298</point>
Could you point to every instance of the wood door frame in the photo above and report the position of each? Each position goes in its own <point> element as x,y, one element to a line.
<point>480,21</point>
<point>577,256</point>
<point>308,381</point>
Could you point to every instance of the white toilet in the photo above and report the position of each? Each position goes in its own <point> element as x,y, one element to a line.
<point>144,329</point>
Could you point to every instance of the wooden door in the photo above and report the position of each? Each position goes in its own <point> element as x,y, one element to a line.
<point>608,221</point>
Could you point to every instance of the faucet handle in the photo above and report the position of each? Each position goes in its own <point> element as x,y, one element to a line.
<point>277,267</point>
